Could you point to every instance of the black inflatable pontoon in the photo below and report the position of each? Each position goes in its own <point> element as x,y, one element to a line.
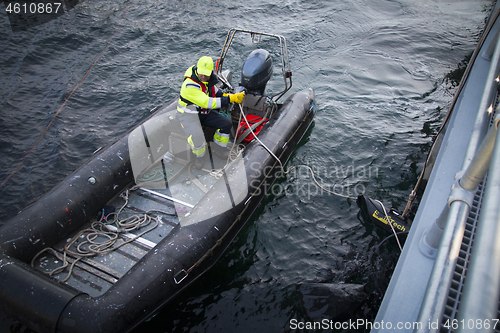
<point>122,235</point>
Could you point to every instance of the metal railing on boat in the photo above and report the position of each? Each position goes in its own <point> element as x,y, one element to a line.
<point>478,271</point>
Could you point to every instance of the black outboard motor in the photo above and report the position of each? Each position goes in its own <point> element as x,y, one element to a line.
<point>256,71</point>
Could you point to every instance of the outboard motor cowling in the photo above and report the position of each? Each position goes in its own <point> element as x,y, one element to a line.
<point>257,70</point>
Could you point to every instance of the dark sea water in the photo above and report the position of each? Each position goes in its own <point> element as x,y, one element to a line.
<point>384,74</point>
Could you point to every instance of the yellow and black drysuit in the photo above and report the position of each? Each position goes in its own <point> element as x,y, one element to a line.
<point>196,107</point>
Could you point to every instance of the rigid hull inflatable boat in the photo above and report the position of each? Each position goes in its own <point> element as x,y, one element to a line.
<point>122,235</point>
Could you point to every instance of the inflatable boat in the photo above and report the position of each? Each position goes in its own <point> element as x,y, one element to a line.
<point>131,228</point>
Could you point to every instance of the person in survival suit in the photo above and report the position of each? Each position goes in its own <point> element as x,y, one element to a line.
<point>198,101</point>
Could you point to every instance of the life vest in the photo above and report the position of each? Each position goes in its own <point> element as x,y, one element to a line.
<point>246,134</point>
<point>184,103</point>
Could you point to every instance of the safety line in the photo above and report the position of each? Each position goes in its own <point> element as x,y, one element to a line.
<point>314,178</point>
<point>69,96</point>
<point>390,224</point>
<point>296,166</point>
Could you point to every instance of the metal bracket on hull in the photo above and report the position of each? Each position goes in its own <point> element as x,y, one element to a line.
<point>183,271</point>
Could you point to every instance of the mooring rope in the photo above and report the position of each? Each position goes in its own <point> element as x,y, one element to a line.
<point>109,237</point>
<point>234,153</point>
<point>390,224</point>
<point>294,167</point>
<point>314,178</point>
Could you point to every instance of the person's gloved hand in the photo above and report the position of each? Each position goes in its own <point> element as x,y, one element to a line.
<point>236,98</point>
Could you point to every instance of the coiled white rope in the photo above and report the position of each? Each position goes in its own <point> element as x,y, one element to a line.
<point>100,238</point>
<point>234,153</point>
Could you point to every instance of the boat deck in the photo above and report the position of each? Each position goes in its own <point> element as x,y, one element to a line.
<point>146,212</point>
